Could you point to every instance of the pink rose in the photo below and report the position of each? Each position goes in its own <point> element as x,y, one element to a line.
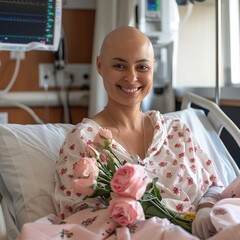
<point>85,167</point>
<point>130,181</point>
<point>91,151</point>
<point>85,186</point>
<point>125,210</point>
<point>104,157</point>
<point>103,138</point>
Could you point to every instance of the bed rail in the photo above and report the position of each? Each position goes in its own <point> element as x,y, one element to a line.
<point>217,118</point>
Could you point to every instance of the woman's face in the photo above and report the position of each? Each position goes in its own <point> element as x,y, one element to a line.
<point>126,66</point>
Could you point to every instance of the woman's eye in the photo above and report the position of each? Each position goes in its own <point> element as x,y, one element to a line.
<point>143,68</point>
<point>119,66</point>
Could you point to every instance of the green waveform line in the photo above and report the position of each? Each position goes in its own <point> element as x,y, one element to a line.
<point>20,36</point>
<point>31,3</point>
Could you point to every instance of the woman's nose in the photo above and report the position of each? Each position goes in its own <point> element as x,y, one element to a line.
<point>131,76</point>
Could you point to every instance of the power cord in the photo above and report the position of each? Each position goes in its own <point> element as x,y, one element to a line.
<point>14,76</point>
<point>60,65</point>
<point>24,107</point>
<point>187,15</point>
<point>18,56</point>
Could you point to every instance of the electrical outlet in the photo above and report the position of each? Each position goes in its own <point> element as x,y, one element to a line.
<point>75,75</point>
<point>3,117</point>
<point>17,55</point>
<point>46,75</point>
<point>83,4</point>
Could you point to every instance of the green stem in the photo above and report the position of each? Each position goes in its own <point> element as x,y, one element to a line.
<point>110,150</point>
<point>104,180</point>
<point>166,213</point>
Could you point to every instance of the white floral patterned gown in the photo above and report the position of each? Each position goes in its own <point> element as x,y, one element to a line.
<point>185,172</point>
<point>185,175</point>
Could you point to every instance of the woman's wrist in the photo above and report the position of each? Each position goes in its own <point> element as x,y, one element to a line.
<point>205,205</point>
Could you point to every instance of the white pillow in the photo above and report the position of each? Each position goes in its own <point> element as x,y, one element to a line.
<point>27,162</point>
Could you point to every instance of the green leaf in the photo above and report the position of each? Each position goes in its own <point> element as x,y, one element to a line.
<point>111,166</point>
<point>155,180</point>
<point>162,212</point>
<point>101,192</point>
<point>156,191</point>
<point>149,187</point>
<point>152,211</point>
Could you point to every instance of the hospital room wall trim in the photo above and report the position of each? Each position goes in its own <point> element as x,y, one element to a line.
<point>36,99</point>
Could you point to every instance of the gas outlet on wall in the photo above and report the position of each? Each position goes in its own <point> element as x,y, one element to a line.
<point>75,75</point>
<point>3,117</point>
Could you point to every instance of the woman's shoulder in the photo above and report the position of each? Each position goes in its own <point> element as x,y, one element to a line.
<point>164,119</point>
<point>154,115</point>
<point>157,115</point>
<point>86,124</point>
<point>85,130</point>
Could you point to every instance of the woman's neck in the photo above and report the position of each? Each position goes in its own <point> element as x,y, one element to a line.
<point>129,132</point>
<point>124,118</point>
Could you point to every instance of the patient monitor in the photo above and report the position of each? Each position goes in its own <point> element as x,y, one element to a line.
<point>159,20</point>
<point>30,25</point>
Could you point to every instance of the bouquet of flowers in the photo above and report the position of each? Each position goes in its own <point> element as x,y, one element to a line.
<point>125,188</point>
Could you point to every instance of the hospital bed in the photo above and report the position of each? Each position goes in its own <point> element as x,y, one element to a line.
<point>28,154</point>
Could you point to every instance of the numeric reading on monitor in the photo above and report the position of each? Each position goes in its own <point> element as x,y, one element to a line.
<point>30,25</point>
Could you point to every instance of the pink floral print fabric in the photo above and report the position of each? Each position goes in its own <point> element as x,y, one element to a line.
<point>185,172</point>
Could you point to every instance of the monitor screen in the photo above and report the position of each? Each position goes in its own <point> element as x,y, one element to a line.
<point>153,9</point>
<point>153,5</point>
<point>30,25</point>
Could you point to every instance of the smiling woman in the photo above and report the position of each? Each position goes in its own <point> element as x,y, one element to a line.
<point>127,70</point>
<point>127,73</point>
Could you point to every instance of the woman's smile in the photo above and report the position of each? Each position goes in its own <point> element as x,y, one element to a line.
<point>129,90</point>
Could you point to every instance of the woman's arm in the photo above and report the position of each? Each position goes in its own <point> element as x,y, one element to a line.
<point>212,196</point>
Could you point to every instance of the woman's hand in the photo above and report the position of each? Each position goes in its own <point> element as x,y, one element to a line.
<point>202,226</point>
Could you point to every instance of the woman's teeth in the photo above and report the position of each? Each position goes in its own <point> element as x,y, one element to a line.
<point>130,90</point>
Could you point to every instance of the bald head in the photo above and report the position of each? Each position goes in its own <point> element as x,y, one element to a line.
<point>125,37</point>
<point>126,61</point>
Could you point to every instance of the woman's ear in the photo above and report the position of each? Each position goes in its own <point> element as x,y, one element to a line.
<point>98,64</point>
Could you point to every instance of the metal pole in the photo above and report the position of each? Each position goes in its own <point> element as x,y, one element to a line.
<point>218,37</point>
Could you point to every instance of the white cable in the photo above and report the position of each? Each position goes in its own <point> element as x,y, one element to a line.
<point>14,103</point>
<point>24,107</point>
<point>60,66</point>
<point>187,14</point>
<point>45,86</point>
<point>13,79</point>
<point>63,94</point>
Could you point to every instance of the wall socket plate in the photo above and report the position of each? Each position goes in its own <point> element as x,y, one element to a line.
<point>75,75</point>
<point>17,55</point>
<point>76,4</point>
<point>3,117</point>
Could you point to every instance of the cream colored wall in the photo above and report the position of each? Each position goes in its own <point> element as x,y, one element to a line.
<point>196,51</point>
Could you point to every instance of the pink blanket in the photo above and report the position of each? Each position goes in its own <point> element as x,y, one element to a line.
<point>94,225</point>
<point>97,225</point>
